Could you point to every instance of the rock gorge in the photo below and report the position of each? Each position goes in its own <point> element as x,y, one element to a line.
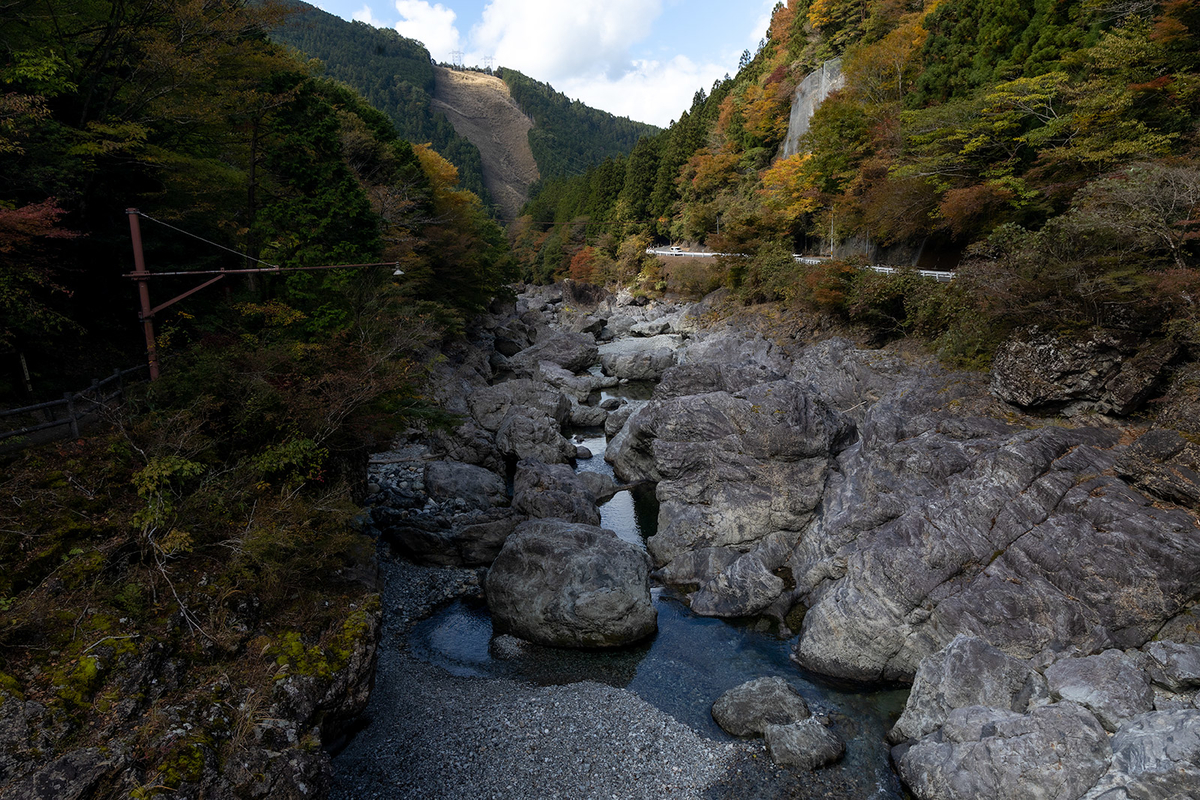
<point>907,523</point>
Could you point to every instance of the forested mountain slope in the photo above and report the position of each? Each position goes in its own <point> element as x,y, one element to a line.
<point>568,136</point>
<point>393,73</point>
<point>1047,149</point>
<point>185,609</point>
<point>396,76</point>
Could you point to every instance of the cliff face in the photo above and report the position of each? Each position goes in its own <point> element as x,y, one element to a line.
<point>482,110</point>
<point>811,92</point>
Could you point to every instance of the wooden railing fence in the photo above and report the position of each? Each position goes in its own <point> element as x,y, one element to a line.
<point>77,405</point>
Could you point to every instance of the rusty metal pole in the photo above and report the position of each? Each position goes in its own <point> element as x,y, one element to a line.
<point>142,277</point>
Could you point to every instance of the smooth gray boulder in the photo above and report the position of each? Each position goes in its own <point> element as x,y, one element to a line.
<point>617,418</point>
<point>584,416</point>
<point>704,377</point>
<point>748,709</point>
<point>697,566</point>
<point>640,359</point>
<point>961,747</point>
<point>467,443</point>
<point>1056,752</point>
<point>577,387</point>
<point>545,491</point>
<point>598,485</point>
<point>806,745</point>
<point>737,348</point>
<point>1111,685</point>
<point>477,487</point>
<point>967,672</point>
<point>652,327</point>
<point>570,585</point>
<point>639,365</point>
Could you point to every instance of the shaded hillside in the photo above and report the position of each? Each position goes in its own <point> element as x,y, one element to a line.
<point>569,136</point>
<point>393,73</point>
<point>482,110</point>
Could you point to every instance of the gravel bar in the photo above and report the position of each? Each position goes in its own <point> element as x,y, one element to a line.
<point>431,734</point>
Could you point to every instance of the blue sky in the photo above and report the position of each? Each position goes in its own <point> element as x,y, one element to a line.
<point>642,59</point>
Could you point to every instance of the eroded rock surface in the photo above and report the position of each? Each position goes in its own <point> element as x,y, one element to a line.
<point>985,739</point>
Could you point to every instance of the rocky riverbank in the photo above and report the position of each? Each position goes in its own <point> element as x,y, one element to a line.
<point>874,503</point>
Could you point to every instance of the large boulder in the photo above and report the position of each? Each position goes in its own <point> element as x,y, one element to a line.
<point>571,585</point>
<point>578,387</point>
<point>477,487</point>
<point>1111,685</point>
<point>573,352</point>
<point>1156,755</point>
<point>967,672</point>
<point>544,491</point>
<point>704,377</point>
<point>1173,665</point>
<point>1057,751</point>
<point>937,523</point>
<point>529,433</point>
<point>732,472</point>
<point>748,709</point>
<point>491,405</point>
<point>1037,368</point>
<point>736,348</point>
<point>640,359</point>
<point>1049,742</point>
<point>744,588</point>
<point>651,327</point>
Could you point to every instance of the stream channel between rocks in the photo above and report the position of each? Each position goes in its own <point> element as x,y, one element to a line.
<point>449,666</point>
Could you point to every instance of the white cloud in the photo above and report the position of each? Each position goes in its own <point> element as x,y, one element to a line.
<point>759,31</point>
<point>432,25</point>
<point>365,14</point>
<point>554,40</point>
<point>652,91</point>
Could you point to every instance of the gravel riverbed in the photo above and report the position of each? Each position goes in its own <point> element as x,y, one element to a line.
<point>430,734</point>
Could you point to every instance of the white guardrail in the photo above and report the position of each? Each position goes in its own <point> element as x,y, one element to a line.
<point>940,277</point>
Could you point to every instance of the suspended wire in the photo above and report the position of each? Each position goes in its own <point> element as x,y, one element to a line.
<point>206,241</point>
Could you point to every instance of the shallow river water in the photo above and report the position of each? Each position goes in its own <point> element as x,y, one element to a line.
<point>685,667</point>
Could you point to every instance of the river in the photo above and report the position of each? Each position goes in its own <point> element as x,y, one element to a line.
<point>687,665</point>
